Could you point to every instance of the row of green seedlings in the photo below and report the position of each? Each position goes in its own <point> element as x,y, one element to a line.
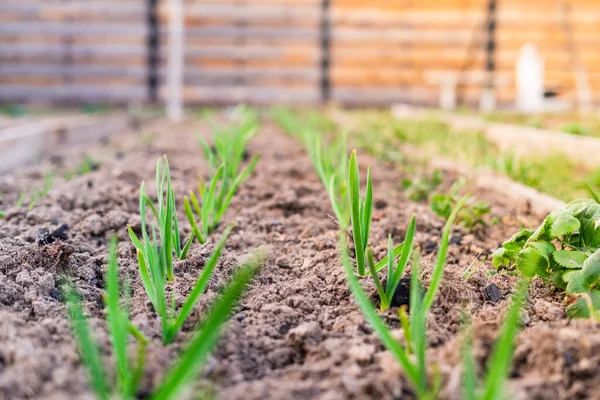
<point>355,211</point>
<point>35,194</point>
<point>412,355</point>
<point>159,244</point>
<point>564,251</point>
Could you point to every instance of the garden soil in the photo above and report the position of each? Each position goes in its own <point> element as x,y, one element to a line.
<point>297,333</point>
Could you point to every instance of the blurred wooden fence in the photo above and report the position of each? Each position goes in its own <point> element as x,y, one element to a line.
<point>353,52</point>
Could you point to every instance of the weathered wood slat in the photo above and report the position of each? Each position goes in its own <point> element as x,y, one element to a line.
<point>72,28</point>
<point>71,70</point>
<point>73,93</point>
<point>254,95</point>
<point>288,75</point>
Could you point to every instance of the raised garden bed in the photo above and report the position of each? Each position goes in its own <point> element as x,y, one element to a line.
<point>297,332</point>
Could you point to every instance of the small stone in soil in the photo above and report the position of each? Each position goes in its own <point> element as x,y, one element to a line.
<point>430,246</point>
<point>455,239</point>
<point>492,293</point>
<point>44,237</point>
<point>285,262</point>
<point>380,204</point>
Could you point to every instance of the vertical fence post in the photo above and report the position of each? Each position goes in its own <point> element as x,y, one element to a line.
<point>325,50</point>
<point>175,62</point>
<point>488,98</point>
<point>152,56</point>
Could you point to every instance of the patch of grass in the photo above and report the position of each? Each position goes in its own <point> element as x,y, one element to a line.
<point>575,128</point>
<point>553,174</point>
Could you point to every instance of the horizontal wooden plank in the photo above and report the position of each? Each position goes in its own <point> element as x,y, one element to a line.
<point>72,28</point>
<point>113,11</point>
<point>255,11</point>
<point>252,32</point>
<point>72,93</point>
<point>71,70</point>
<point>251,94</point>
<point>285,75</point>
<point>253,52</point>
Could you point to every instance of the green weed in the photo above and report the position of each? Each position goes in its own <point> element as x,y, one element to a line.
<point>470,216</point>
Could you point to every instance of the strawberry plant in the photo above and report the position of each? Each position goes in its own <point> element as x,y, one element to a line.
<point>563,250</point>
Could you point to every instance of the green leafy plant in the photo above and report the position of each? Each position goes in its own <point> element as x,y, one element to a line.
<point>224,159</point>
<point>412,356</point>
<point>165,213</point>
<point>128,374</point>
<point>36,194</point>
<point>420,187</point>
<point>562,250</point>
<point>499,362</point>
<point>155,254</point>
<point>470,216</point>
<point>85,167</point>
<point>361,209</point>
<point>394,273</point>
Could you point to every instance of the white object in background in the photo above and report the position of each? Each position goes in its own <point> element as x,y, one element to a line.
<point>487,103</point>
<point>448,92</point>
<point>175,62</point>
<point>530,79</point>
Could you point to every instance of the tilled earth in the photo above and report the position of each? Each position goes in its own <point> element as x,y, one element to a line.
<point>297,333</point>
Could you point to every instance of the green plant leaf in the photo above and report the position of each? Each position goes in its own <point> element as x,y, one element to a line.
<point>531,263</point>
<point>575,283</point>
<point>502,258</point>
<point>587,304</point>
<point>500,359</point>
<point>192,359</point>
<point>383,332</point>
<point>591,270</point>
<point>88,348</point>
<point>569,259</point>
<point>546,249</point>
<point>562,223</point>
<point>517,241</point>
